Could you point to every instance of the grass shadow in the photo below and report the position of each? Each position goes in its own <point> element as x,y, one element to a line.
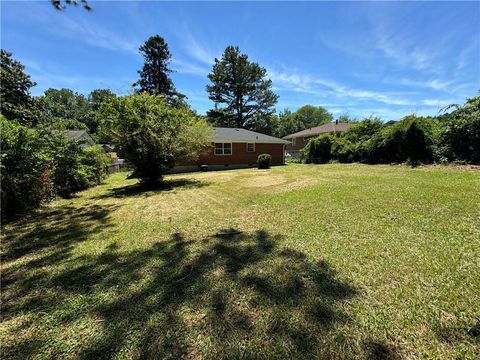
<point>140,189</point>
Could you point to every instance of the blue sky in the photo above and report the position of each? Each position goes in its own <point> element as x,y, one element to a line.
<point>386,59</point>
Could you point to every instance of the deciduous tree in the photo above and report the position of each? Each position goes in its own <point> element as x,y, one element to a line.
<point>153,135</point>
<point>16,104</point>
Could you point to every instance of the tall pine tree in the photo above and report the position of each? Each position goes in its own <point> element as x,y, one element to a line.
<point>154,76</point>
<point>239,89</point>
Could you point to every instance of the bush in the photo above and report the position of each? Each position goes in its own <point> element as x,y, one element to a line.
<point>38,165</point>
<point>93,165</point>
<point>264,161</point>
<point>409,140</point>
<point>461,138</point>
<point>319,149</point>
<point>26,170</point>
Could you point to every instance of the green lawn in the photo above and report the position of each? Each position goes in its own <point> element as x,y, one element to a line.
<point>299,261</point>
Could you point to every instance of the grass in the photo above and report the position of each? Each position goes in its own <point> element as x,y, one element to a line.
<point>300,261</point>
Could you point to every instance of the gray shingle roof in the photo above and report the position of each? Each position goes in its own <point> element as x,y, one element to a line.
<point>242,135</point>
<point>322,129</point>
<point>75,133</point>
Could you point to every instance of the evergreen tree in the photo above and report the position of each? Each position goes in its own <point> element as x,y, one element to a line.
<point>239,89</point>
<point>154,76</point>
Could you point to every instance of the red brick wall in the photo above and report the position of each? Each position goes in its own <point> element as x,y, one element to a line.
<point>300,144</point>
<point>240,155</point>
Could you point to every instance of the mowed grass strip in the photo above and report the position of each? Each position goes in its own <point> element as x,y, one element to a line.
<point>330,261</point>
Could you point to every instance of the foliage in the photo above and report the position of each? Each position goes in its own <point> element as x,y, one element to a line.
<point>412,140</point>
<point>345,118</point>
<point>26,169</point>
<point>154,135</point>
<point>93,163</point>
<point>59,5</point>
<point>264,124</point>
<point>40,164</point>
<point>288,123</point>
<point>461,136</point>
<point>154,76</point>
<point>310,116</point>
<point>65,104</point>
<point>66,109</point>
<point>407,140</point>
<point>264,161</point>
<point>16,104</point>
<point>305,117</point>
<point>319,149</point>
<point>241,87</point>
<point>363,130</point>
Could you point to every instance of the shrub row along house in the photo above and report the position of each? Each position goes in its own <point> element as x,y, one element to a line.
<point>236,148</point>
<point>298,140</point>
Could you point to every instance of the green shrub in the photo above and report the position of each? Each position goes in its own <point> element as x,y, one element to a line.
<point>93,165</point>
<point>363,130</point>
<point>319,149</point>
<point>409,140</point>
<point>38,165</point>
<point>461,137</point>
<point>343,150</point>
<point>26,170</point>
<point>264,161</point>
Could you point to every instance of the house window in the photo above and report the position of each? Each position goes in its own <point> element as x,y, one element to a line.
<point>250,147</point>
<point>223,149</point>
<point>294,141</point>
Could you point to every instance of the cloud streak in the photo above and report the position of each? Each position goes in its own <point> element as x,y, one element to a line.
<point>305,83</point>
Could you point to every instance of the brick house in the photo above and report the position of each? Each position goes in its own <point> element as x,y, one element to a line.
<point>236,148</point>
<point>297,141</point>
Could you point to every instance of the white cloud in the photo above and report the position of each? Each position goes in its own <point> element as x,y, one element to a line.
<point>51,75</point>
<point>434,84</point>
<point>94,35</point>
<point>186,67</point>
<point>195,49</point>
<point>321,87</point>
<point>438,102</point>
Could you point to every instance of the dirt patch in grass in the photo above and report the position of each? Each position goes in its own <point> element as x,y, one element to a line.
<point>465,167</point>
<point>265,180</point>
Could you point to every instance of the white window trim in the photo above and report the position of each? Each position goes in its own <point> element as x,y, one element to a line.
<point>294,141</point>
<point>253,147</point>
<point>223,148</point>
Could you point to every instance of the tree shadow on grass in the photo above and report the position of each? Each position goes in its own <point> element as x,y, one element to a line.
<point>58,228</point>
<point>232,295</point>
<point>148,190</point>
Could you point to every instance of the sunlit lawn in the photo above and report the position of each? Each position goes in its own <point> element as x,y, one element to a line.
<point>299,261</point>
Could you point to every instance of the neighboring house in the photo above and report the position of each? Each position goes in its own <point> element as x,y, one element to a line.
<point>81,136</point>
<point>236,148</point>
<point>297,141</point>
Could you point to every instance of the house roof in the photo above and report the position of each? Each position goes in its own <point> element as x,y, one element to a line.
<point>79,135</point>
<point>242,135</point>
<point>322,129</point>
<point>75,133</point>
